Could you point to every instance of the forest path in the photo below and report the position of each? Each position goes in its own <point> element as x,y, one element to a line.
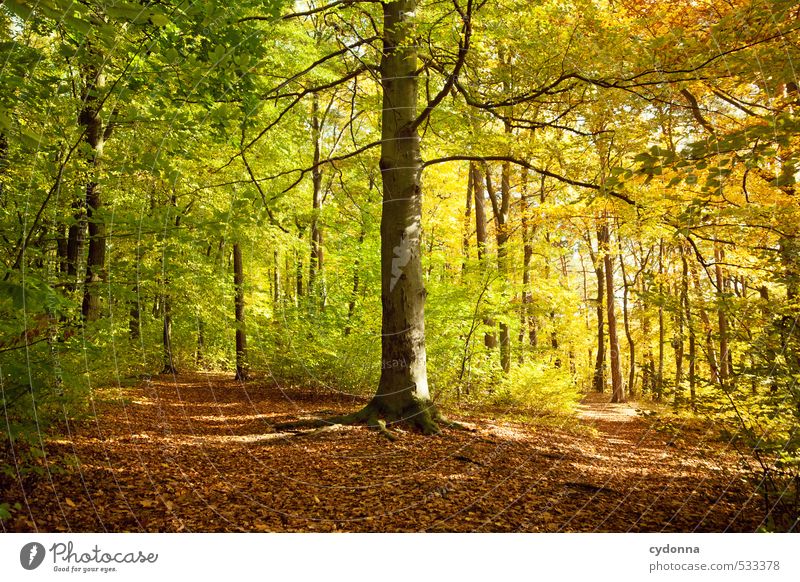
<point>197,452</point>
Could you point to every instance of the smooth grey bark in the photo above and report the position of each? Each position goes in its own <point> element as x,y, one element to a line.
<point>402,393</point>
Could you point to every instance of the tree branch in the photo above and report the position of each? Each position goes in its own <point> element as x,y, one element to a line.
<point>536,169</point>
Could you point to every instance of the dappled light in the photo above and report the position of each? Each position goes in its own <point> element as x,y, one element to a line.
<point>399,266</point>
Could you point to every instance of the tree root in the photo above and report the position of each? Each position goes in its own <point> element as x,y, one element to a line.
<point>419,416</point>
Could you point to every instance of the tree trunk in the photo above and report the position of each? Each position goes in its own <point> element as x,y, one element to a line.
<point>600,361</point>
<point>501,216</point>
<point>402,393</point>
<point>617,393</point>
<point>466,225</point>
<point>478,185</point>
<point>527,323</point>
<point>95,135</point>
<point>135,319</point>
<point>276,280</point>
<point>76,237</point>
<point>241,336</point>
<point>659,387</point>
<point>677,346</point>
<point>724,371</point>
<point>711,354</point>
<point>299,266</point>
<point>316,260</point>
<point>627,324</point>
<point>351,306</point>
<point>166,332</point>
<point>690,327</point>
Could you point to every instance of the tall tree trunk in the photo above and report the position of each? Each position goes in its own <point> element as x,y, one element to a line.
<point>76,238</point>
<point>134,314</point>
<point>241,335</point>
<point>501,214</point>
<point>465,229</point>
<point>599,381</point>
<point>690,327</point>
<point>617,393</point>
<point>478,186</point>
<point>299,266</point>
<point>677,347</point>
<point>166,330</point>
<point>351,306</point>
<point>276,280</point>
<point>683,300</point>
<point>722,318</point>
<point>627,324</point>
<point>659,387</point>
<point>316,260</point>
<point>402,393</point>
<point>95,136</point>
<point>527,322</point>
<point>711,352</point>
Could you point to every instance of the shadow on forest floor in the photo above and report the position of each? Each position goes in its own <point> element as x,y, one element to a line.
<point>197,453</point>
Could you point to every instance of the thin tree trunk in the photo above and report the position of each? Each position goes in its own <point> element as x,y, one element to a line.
<point>501,216</point>
<point>626,322</point>
<point>677,346</point>
<point>690,327</point>
<point>478,185</point>
<point>659,388</point>
<point>724,371</point>
<point>599,381</point>
<point>166,332</point>
<point>617,392</point>
<point>465,234</point>
<point>135,318</point>
<point>351,306</point>
<point>299,267</point>
<point>709,332</point>
<point>241,335</point>
<point>527,323</point>
<point>316,260</point>
<point>276,279</point>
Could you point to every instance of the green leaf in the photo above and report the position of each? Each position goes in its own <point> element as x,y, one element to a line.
<point>159,19</point>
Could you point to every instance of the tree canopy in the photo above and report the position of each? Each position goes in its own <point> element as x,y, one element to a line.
<point>430,204</point>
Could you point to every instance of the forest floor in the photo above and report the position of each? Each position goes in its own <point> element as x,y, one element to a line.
<point>198,453</point>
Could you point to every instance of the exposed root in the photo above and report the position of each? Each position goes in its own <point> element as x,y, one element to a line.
<point>447,423</point>
<point>419,416</point>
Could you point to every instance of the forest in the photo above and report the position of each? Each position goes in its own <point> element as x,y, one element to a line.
<point>399,265</point>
